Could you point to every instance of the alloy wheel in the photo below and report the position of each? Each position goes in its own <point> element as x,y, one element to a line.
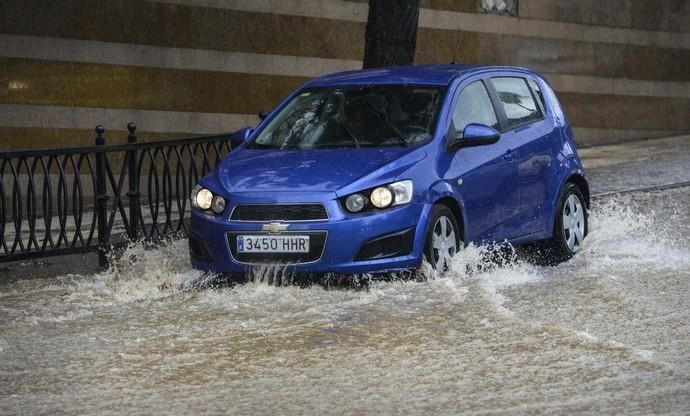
<point>444,243</point>
<point>573,223</point>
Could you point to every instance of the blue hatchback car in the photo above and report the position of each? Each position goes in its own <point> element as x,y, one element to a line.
<point>375,170</point>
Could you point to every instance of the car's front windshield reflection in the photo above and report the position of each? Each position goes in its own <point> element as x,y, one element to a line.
<point>354,116</point>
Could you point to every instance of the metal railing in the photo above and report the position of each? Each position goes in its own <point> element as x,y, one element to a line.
<point>93,199</point>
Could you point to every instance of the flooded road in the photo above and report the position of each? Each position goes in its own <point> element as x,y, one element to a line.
<point>606,333</point>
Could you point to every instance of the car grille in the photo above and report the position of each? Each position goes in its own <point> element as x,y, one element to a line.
<point>317,242</point>
<point>300,212</point>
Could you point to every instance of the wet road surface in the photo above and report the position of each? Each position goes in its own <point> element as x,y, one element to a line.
<point>607,332</point>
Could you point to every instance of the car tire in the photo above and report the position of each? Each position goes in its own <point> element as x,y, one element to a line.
<point>570,225</point>
<point>443,238</point>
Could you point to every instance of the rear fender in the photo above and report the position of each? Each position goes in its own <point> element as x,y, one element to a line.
<point>573,168</point>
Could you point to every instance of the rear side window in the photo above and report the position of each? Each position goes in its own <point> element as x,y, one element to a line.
<point>517,101</point>
<point>474,106</point>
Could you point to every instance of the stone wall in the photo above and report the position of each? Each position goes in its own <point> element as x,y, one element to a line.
<point>179,67</point>
<point>655,15</point>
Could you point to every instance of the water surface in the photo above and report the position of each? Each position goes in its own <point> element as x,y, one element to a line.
<point>607,332</point>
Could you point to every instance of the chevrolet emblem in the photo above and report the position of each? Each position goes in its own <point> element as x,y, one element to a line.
<point>274,227</point>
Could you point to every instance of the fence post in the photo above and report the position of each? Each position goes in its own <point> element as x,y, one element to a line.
<point>101,200</point>
<point>133,194</point>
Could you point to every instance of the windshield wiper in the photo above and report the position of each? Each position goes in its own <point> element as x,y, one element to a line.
<point>255,145</point>
<point>398,134</point>
<point>290,146</point>
<point>354,138</point>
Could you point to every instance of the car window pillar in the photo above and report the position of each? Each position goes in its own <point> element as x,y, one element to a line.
<point>498,106</point>
<point>535,96</point>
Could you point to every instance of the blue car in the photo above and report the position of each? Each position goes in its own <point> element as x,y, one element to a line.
<point>377,170</point>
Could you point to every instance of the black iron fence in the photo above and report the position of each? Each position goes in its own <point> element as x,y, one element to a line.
<point>93,199</point>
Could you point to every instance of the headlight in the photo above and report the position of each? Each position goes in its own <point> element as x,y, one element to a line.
<point>355,203</point>
<point>381,197</point>
<point>402,192</point>
<point>195,193</point>
<point>204,200</point>
<point>218,204</point>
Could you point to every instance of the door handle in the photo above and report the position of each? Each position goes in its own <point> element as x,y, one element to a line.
<point>509,155</point>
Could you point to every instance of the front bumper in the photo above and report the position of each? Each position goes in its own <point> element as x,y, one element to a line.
<point>345,237</point>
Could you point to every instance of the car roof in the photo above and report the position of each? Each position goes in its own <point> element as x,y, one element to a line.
<point>411,74</point>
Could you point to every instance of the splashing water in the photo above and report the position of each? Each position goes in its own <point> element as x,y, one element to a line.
<point>604,332</point>
<point>621,239</point>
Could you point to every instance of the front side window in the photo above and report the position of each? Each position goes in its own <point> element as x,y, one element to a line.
<point>474,106</point>
<point>517,101</point>
<point>354,116</point>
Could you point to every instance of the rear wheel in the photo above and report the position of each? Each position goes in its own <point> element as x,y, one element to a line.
<point>570,228</point>
<point>443,238</point>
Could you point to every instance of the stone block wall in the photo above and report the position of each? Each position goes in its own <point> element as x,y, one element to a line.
<point>180,67</point>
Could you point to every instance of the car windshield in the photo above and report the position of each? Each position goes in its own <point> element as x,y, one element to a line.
<point>354,116</point>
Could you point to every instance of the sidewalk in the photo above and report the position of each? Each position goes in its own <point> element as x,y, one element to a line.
<point>639,164</point>
<point>637,151</point>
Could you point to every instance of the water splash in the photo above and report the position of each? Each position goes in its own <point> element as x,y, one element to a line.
<point>628,234</point>
<point>623,238</point>
<point>497,330</point>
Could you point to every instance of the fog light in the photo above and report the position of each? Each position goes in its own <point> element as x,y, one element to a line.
<point>355,203</point>
<point>204,198</point>
<point>381,197</point>
<point>218,204</point>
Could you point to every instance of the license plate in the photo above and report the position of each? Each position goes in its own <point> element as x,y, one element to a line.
<point>273,244</point>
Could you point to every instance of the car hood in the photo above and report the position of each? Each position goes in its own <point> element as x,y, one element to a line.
<point>248,170</point>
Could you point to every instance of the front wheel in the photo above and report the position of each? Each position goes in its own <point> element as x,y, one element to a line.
<point>443,238</point>
<point>570,227</point>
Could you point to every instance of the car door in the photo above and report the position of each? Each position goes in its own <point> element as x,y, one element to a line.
<point>534,135</point>
<point>485,175</point>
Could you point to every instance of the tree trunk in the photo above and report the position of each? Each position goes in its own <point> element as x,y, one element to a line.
<point>391,34</point>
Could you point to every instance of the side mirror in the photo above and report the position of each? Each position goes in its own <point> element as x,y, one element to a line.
<point>474,135</point>
<point>262,115</point>
<point>241,136</point>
